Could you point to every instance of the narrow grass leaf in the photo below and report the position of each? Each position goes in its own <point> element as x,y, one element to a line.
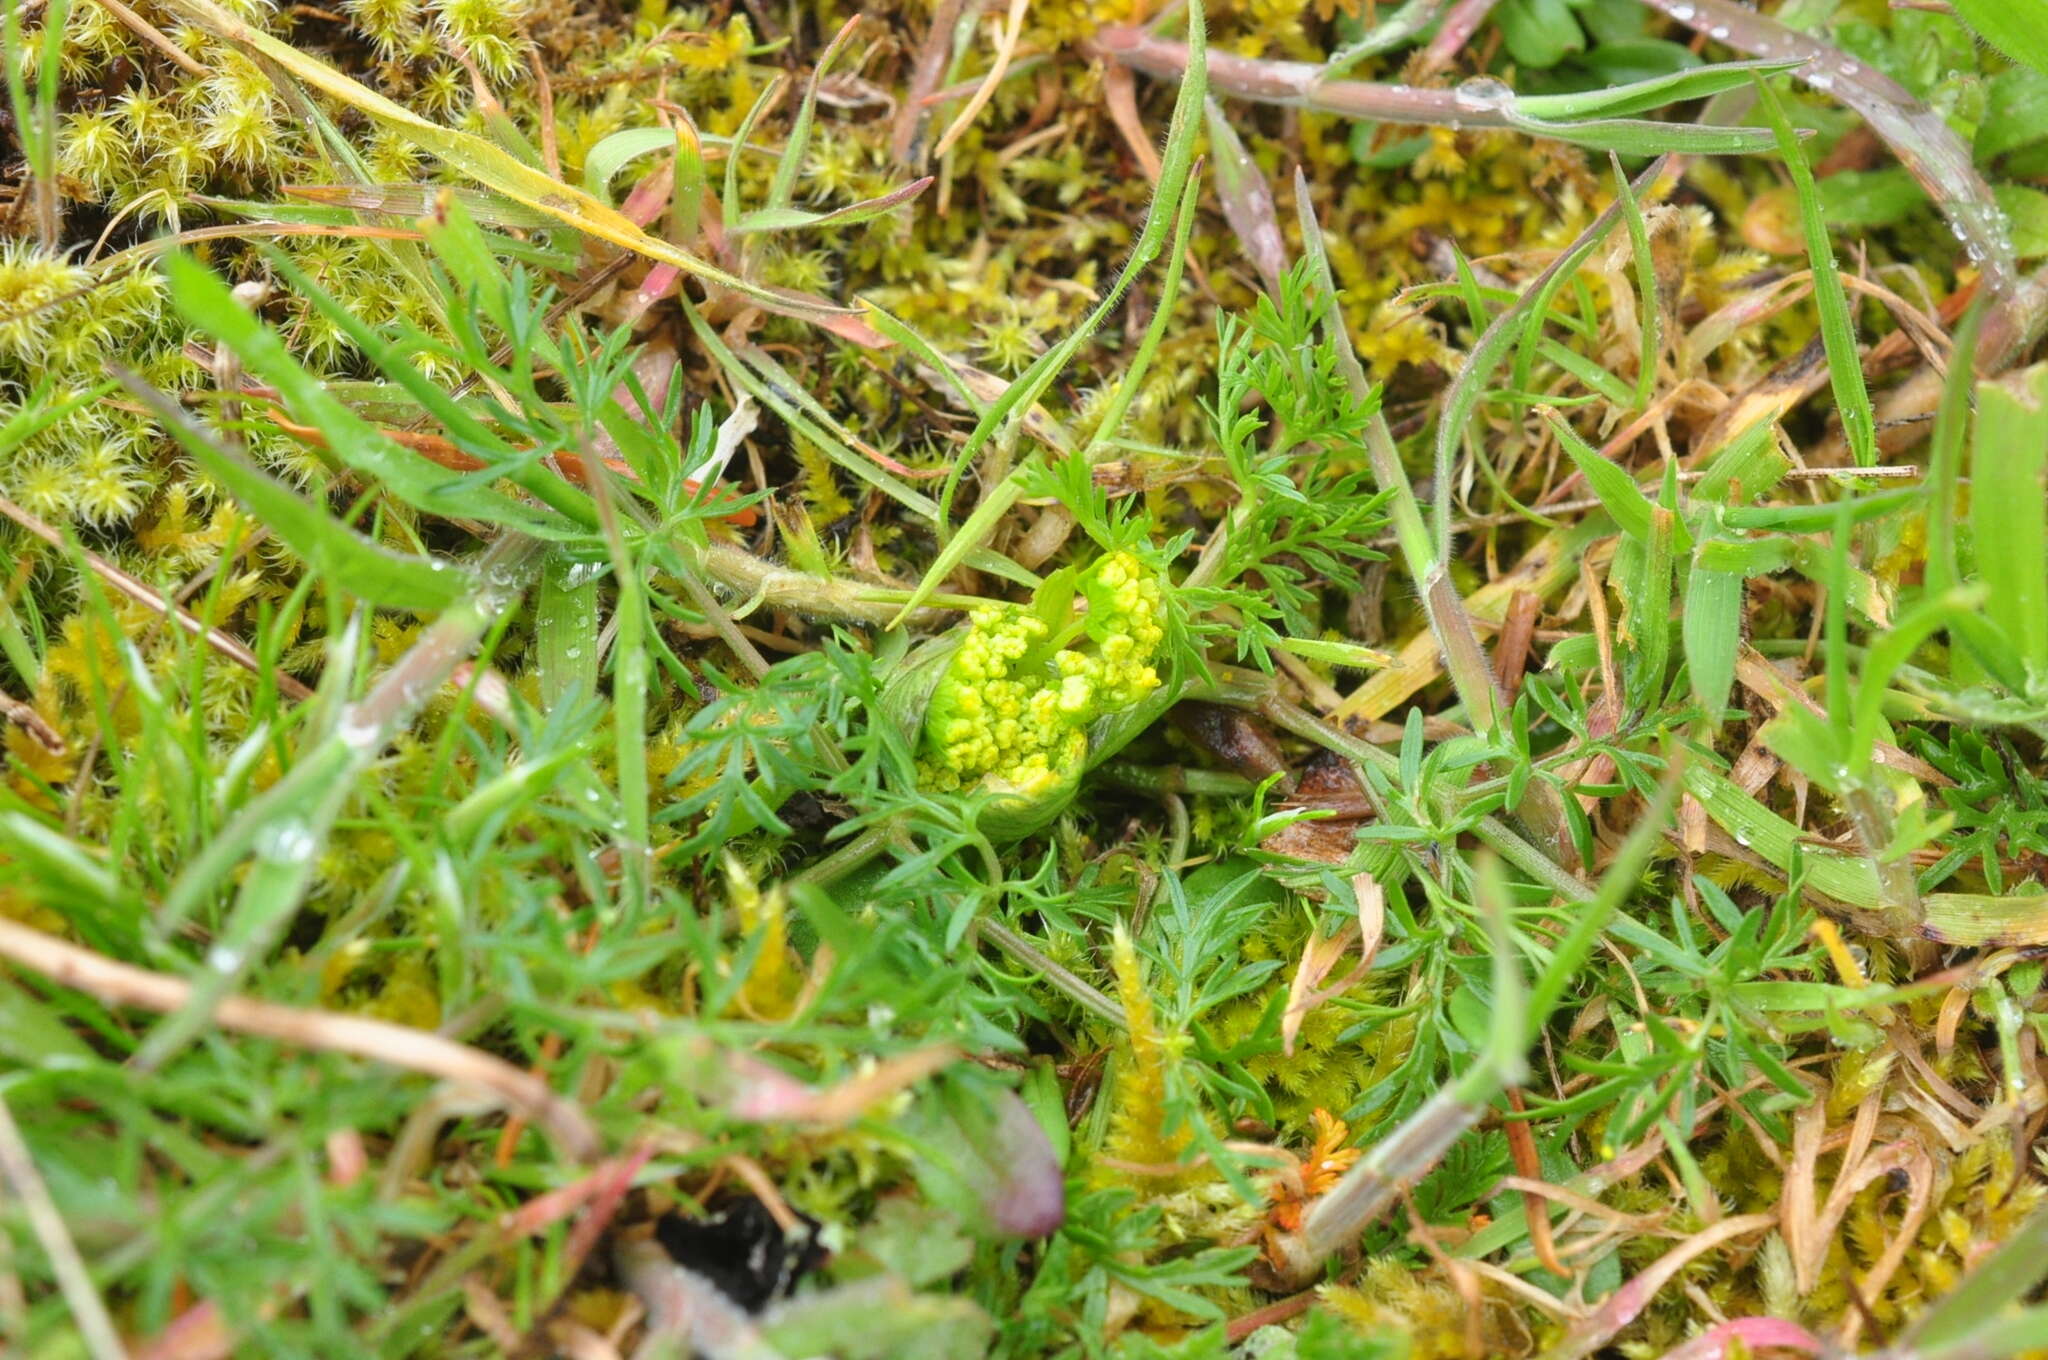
<point>1698,82</point>
<point>489,165</point>
<point>1837,328</point>
<point>1649,314</point>
<point>1176,165</point>
<point>1619,495</point>
<point>2009,512</point>
<point>790,163</point>
<point>204,300</point>
<point>1466,390</point>
<point>367,570</point>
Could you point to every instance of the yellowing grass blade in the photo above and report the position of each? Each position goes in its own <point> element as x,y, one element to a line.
<point>484,162</point>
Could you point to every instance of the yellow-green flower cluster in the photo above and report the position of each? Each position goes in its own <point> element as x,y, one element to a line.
<point>1011,714</point>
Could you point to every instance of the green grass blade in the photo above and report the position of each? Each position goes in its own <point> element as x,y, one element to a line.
<point>367,570</point>
<point>1176,166</point>
<point>204,300</point>
<point>1837,328</point>
<point>2009,513</point>
<point>1711,635</point>
<point>1492,346</point>
<point>1945,454</point>
<point>1649,315</point>
<point>790,163</point>
<point>1698,82</point>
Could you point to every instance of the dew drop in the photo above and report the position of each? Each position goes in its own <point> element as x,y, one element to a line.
<point>222,959</point>
<point>1482,94</point>
<point>1683,13</point>
<point>356,733</point>
<point>286,842</point>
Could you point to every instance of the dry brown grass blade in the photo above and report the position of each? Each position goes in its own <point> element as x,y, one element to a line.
<point>1320,955</point>
<point>120,984</point>
<point>1549,565</point>
<point>1625,1304</point>
<point>915,110</point>
<point>154,36</point>
<point>483,161</point>
<point>228,646</point>
<point>1768,683</point>
<point>1918,1168</point>
<point>1648,1223</point>
<point>1535,1204</point>
<point>1808,1226</point>
<point>1511,648</point>
<point>1120,98</point>
<point>28,720</point>
<point>1006,51</point>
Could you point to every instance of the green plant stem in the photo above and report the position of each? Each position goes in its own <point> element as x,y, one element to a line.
<point>1402,1158</point>
<point>848,858</point>
<point>1059,978</point>
<point>1176,779</point>
<point>798,592</point>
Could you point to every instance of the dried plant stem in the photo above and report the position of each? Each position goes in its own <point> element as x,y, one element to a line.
<point>1916,134</point>
<point>800,592</point>
<point>120,984</point>
<point>1375,1183</point>
<point>228,646</point>
<point>1301,84</point>
<point>88,1310</point>
<point>154,36</point>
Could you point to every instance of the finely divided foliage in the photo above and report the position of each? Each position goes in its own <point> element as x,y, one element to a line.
<point>1041,680</point>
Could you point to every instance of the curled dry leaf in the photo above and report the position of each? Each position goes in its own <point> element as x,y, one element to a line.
<point>1321,955</point>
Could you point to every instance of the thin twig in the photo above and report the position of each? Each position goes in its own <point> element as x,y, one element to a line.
<point>154,36</point>
<point>121,984</point>
<point>88,1310</point>
<point>1006,49</point>
<point>224,643</point>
